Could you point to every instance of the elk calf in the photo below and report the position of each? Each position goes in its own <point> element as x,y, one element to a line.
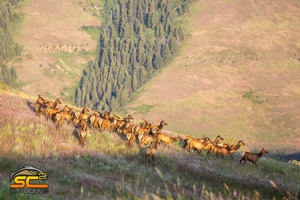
<point>253,157</point>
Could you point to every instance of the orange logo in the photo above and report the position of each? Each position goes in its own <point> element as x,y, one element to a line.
<point>28,180</point>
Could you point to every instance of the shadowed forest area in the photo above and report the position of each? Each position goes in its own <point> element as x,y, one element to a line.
<point>137,38</point>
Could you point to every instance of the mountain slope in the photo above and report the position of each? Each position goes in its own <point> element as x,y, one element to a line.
<point>237,75</point>
<point>55,48</point>
<point>105,169</point>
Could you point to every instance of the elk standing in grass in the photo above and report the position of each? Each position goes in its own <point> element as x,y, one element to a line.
<point>186,140</point>
<point>223,150</point>
<point>62,115</point>
<point>55,103</point>
<point>39,103</point>
<point>143,129</point>
<point>108,124</point>
<point>83,114</point>
<point>150,153</point>
<point>253,157</point>
<point>146,139</point>
<point>157,129</point>
<point>121,124</point>
<point>236,147</point>
<point>195,144</point>
<point>53,111</point>
<point>82,132</point>
<point>94,118</point>
<point>166,139</point>
<point>130,139</point>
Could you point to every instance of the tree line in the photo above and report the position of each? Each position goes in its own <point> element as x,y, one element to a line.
<point>137,38</point>
<point>8,48</point>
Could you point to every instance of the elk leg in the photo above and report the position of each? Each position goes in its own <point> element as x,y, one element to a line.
<point>153,160</point>
<point>147,160</point>
<point>57,125</point>
<point>37,108</point>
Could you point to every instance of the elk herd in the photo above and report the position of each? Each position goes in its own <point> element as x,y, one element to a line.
<point>146,134</point>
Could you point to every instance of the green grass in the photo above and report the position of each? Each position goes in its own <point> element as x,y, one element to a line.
<point>105,168</point>
<point>142,109</point>
<point>93,31</point>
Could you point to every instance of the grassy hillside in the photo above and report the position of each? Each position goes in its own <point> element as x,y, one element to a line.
<point>56,48</point>
<point>237,75</point>
<point>105,168</point>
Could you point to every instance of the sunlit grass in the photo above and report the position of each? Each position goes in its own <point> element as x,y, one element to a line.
<point>106,168</point>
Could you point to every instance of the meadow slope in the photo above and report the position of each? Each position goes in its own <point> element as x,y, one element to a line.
<point>55,48</point>
<point>106,169</point>
<point>237,75</point>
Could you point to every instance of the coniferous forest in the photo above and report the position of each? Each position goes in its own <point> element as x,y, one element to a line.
<point>8,48</point>
<point>137,38</point>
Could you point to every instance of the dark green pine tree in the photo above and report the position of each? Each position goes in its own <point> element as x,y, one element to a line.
<point>166,54</point>
<point>137,38</point>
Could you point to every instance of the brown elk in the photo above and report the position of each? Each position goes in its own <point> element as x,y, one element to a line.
<point>61,116</point>
<point>129,128</point>
<point>209,146</point>
<point>145,139</point>
<point>55,103</point>
<point>223,150</point>
<point>82,132</point>
<point>218,138</point>
<point>39,102</point>
<point>44,109</point>
<point>158,128</point>
<point>215,142</point>
<point>107,124</point>
<point>150,153</point>
<point>130,139</point>
<point>94,118</point>
<point>253,157</point>
<point>49,109</point>
<point>121,124</point>
<point>166,139</point>
<point>138,127</point>
<point>236,147</point>
<point>195,144</point>
<point>143,129</point>
<point>106,115</point>
<point>40,99</point>
<point>186,139</point>
<point>52,111</point>
<point>83,113</point>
